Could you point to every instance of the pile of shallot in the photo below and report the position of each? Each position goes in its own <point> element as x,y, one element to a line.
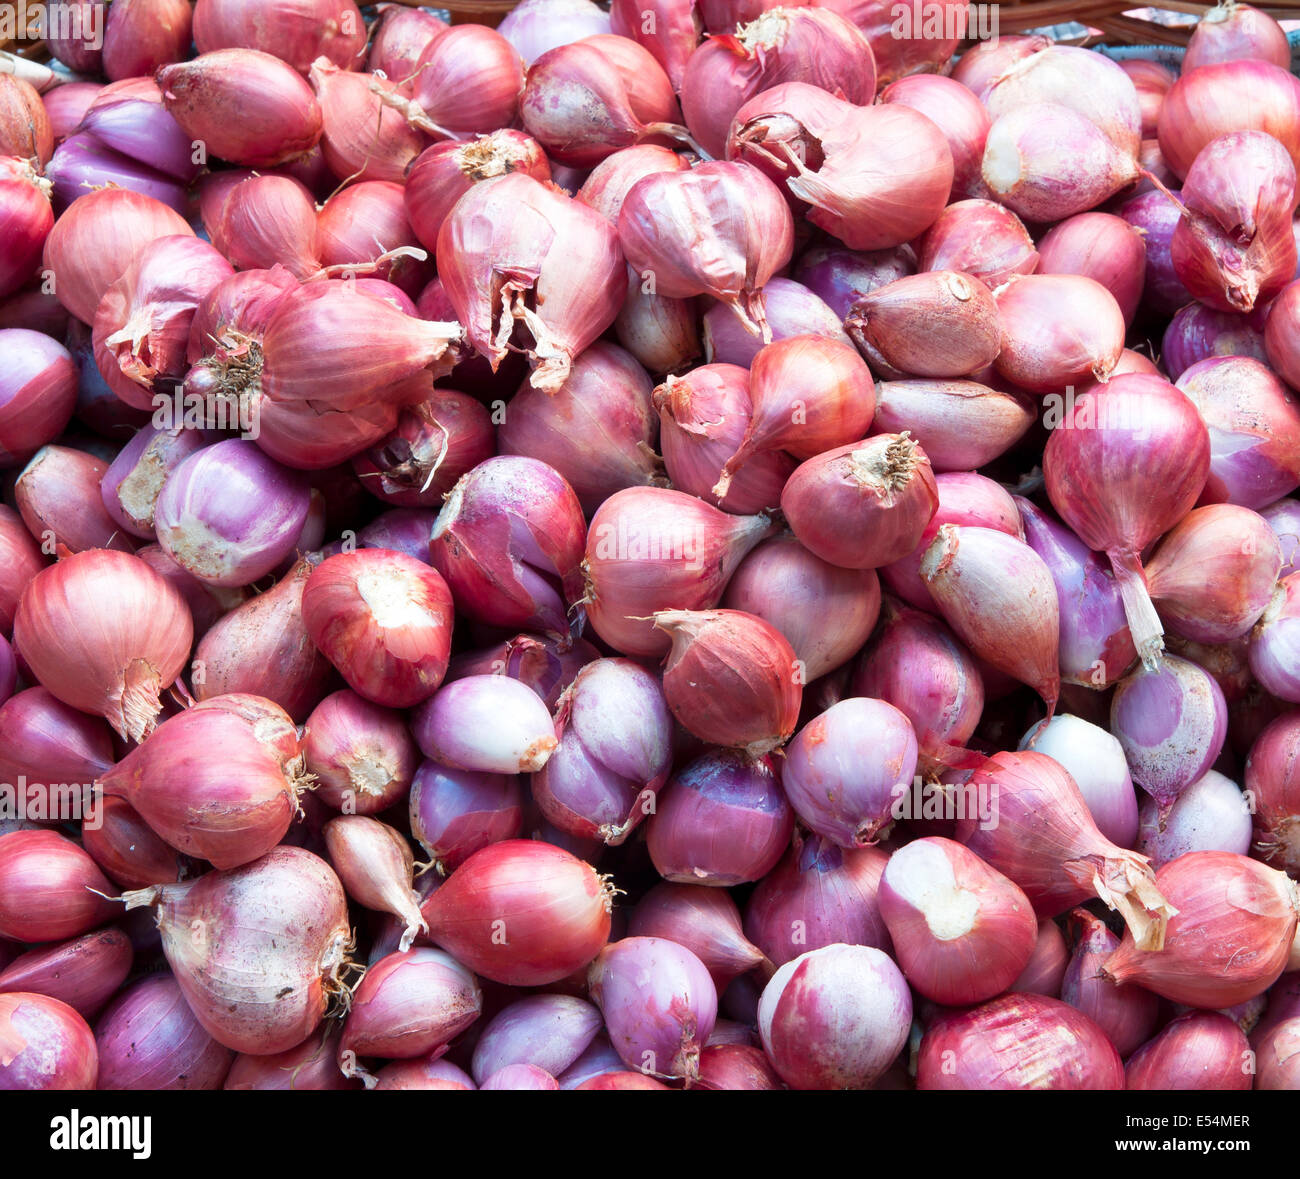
<point>735,550</point>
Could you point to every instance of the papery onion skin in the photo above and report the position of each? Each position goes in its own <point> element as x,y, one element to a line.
<point>1100,246</point>
<point>1020,1041</point>
<point>55,494</point>
<point>791,310</point>
<point>385,620</point>
<point>835,1018</point>
<point>407,1002</point>
<point>734,204</point>
<point>704,920</point>
<point>1229,940</point>
<point>374,863</point>
<point>361,754</point>
<point>565,260</point>
<point>1274,790</point>
<point>454,813</point>
<point>146,620</point>
<point>149,1039</point>
<point>1198,1050</point>
<point>880,493</point>
<point>779,579</point>
<point>203,95</point>
<point>1197,108</point>
<point>920,667</point>
<point>287,912</point>
<point>311,1065</point>
<point>646,549</point>
<point>360,134</point>
<point>952,107</point>
<point>52,889</point>
<point>48,1045</point>
<point>1213,573</point>
<point>840,277</point>
<point>488,723</point>
<point>127,848</point>
<point>552,908</point>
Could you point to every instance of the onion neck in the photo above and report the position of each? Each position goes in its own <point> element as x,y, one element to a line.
<point>1143,622</point>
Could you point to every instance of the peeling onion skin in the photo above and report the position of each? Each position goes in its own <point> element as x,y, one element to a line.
<point>257,950</point>
<point>45,1045</point>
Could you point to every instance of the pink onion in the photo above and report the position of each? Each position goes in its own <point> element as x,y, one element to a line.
<point>979,238</point>
<point>1128,1015</point>
<point>952,107</point>
<point>1100,246</point>
<point>614,752</point>
<point>1057,330</point>
<point>83,973</point>
<point>149,1039</point>
<point>671,35</point>
<point>1225,97</point>
<point>1124,466</point>
<point>1018,1042</point>
<point>408,1004</point>
<point>38,393</point>
<point>1209,815</point>
<point>791,310</point>
<point>1230,936</point>
<point>1156,217</point>
<point>835,1018</point>
<point>1214,572</point>
<point>488,723</point>
<point>1197,332</point>
<point>546,1031</point>
<point>844,769</point>
<point>141,640</point>
<point>780,579</point>
<point>285,911</point>
<point>362,756</point>
<point>704,417</point>
<point>1046,841</point>
<point>918,666</point>
<point>1172,723</point>
<point>722,820</point>
<point>961,425</point>
<point>384,620</point>
<point>819,895</point>
<point>509,536</point>
<point>567,277</point>
<point>248,107</point>
<point>1199,1050</point>
<point>1000,598</point>
<point>962,932</point>
<point>1095,647</point>
<point>229,514</point>
<point>880,493</point>
<point>646,551</point>
<point>658,1002</point>
<point>733,206</point>
<point>48,1046</point>
<point>52,890</point>
<point>454,812</point>
<point>597,430</point>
